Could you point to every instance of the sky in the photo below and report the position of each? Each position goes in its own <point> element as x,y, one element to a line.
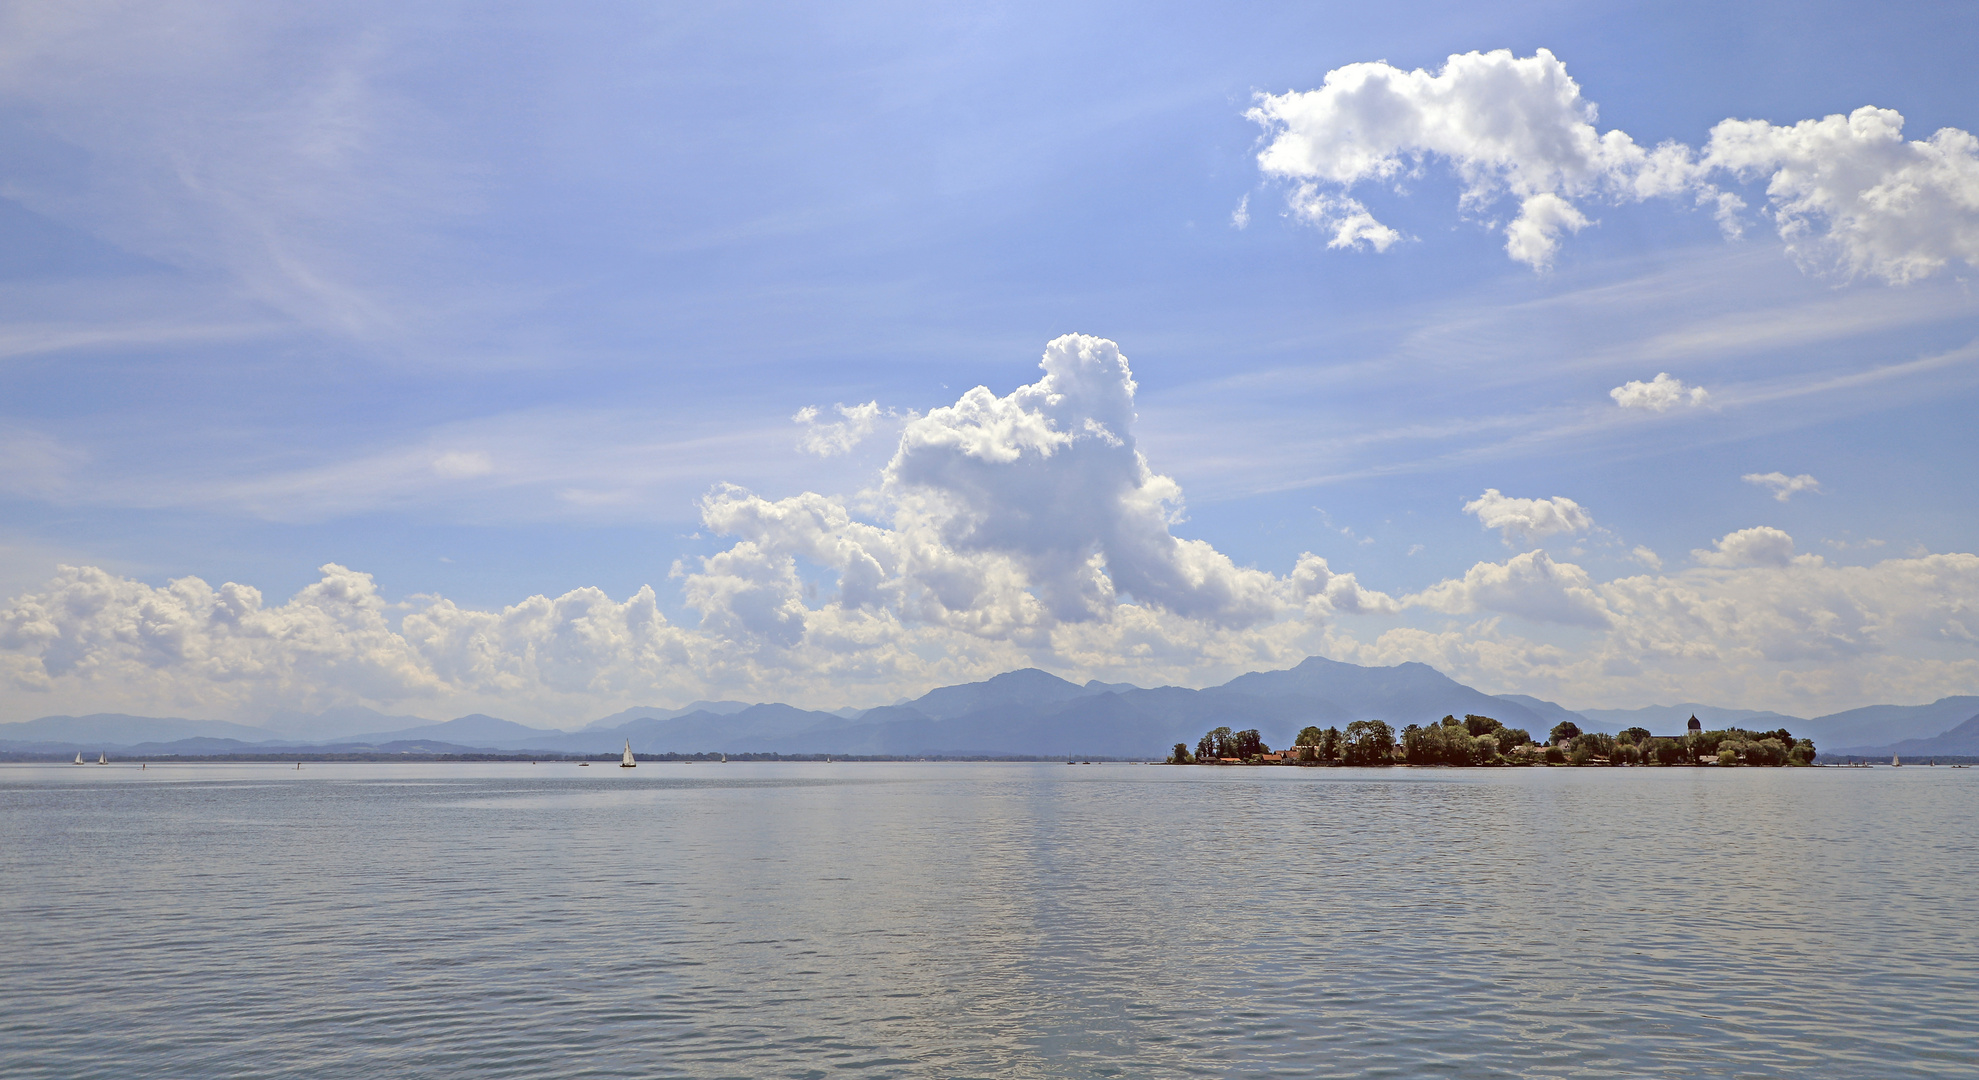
<point>545,361</point>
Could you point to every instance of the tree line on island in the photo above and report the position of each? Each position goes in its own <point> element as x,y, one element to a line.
<point>1481,740</point>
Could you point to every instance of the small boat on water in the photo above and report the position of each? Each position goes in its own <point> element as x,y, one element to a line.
<point>78,757</point>
<point>1894,763</point>
<point>627,762</point>
<point>101,759</point>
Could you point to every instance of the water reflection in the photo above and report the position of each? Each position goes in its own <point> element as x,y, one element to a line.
<point>986,920</point>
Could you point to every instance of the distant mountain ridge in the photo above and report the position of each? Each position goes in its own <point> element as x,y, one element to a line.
<point>1024,712</point>
<point>1961,741</point>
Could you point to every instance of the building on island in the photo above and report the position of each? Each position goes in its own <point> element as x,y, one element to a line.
<point>1692,728</point>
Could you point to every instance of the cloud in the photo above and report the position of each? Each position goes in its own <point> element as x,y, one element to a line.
<point>1241,217</point>
<point>1005,531</point>
<point>1784,486</point>
<point>1851,189</point>
<point>1534,236</point>
<point>1016,512</point>
<point>1350,223</point>
<point>1660,394</point>
<point>1848,189</point>
<point>1508,126</point>
<point>1761,545</point>
<point>1529,520</point>
<point>825,440</point>
<point>1531,586</point>
<point>1762,627</point>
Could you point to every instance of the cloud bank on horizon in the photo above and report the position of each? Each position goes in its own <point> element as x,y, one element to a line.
<point>1846,192</point>
<point>1005,531</point>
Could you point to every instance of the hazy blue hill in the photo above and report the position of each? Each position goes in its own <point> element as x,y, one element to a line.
<point>1408,693</point>
<point>1025,712</point>
<point>1962,740</point>
<point>475,729</point>
<point>1549,714</point>
<point>1671,719</point>
<point>339,722</point>
<point>653,712</point>
<point>752,728</point>
<point>211,747</point>
<point>1025,688</point>
<point>119,729</point>
<point>1031,712</point>
<point>1884,725</point>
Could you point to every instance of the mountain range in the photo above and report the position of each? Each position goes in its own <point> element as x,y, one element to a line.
<point>1026,712</point>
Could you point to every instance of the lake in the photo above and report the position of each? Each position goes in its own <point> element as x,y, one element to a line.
<point>986,920</point>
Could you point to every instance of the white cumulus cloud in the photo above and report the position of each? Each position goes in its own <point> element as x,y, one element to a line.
<point>1660,394</point>
<point>1529,520</point>
<point>1784,487</point>
<point>1508,126</point>
<point>1761,545</point>
<point>1531,586</point>
<point>1006,530</point>
<point>1016,512</point>
<point>1849,189</point>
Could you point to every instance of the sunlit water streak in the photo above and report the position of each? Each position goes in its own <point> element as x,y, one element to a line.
<point>956,920</point>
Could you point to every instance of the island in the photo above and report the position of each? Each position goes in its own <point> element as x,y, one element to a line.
<point>1480,740</point>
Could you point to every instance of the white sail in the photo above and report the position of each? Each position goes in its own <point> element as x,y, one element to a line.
<point>100,759</point>
<point>78,757</point>
<point>628,763</point>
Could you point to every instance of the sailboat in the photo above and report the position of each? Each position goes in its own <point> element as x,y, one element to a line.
<point>628,763</point>
<point>100,759</point>
<point>78,757</point>
<point>1894,763</point>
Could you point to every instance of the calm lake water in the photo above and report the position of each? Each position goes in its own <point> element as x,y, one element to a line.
<point>991,920</point>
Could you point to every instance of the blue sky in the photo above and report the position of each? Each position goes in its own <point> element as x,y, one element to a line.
<point>482,303</point>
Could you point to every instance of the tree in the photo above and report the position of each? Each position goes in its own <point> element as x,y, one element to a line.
<point>1223,743</point>
<point>1665,751</point>
<point>1309,736</point>
<point>1447,743</point>
<point>1565,729</point>
<point>1370,742</point>
<point>1330,743</point>
<point>1637,735</point>
<point>1767,751</point>
<point>1588,745</point>
<point>1480,725</point>
<point>1181,755</point>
